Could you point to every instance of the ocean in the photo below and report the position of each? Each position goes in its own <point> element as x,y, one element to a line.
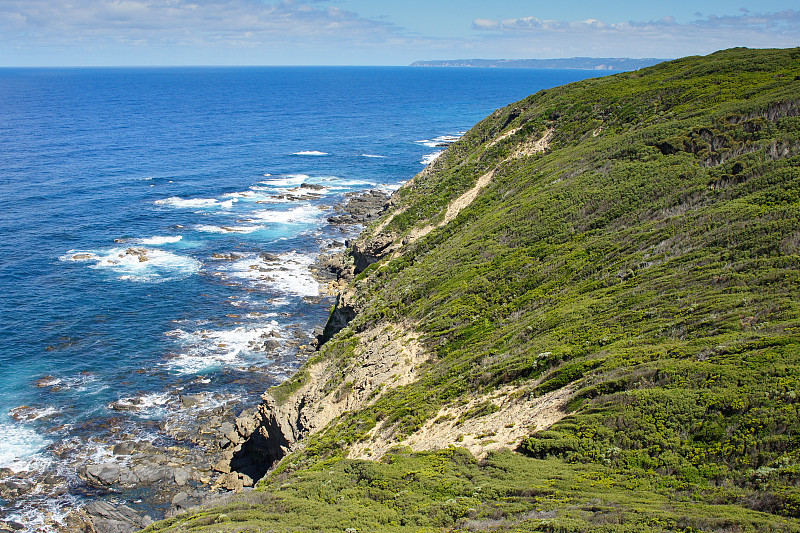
<point>156,234</point>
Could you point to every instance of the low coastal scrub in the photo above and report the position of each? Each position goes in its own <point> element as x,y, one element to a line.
<point>648,261</point>
<point>452,491</point>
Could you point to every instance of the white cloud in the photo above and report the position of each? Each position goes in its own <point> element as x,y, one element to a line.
<point>181,22</point>
<point>534,37</point>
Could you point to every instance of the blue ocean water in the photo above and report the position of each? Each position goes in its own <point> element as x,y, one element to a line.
<point>123,194</point>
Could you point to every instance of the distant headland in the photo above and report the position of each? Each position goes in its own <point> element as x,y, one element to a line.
<point>587,63</point>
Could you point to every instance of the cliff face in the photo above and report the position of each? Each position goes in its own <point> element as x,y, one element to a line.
<point>373,362</point>
<point>602,277</point>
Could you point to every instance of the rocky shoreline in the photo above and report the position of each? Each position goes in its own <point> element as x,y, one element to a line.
<point>209,445</point>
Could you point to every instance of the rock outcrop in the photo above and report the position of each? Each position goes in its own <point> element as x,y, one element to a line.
<point>370,251</point>
<point>385,358</point>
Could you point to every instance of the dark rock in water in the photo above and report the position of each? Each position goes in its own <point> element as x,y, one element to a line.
<point>271,344</point>
<point>361,208</point>
<point>191,400</point>
<point>225,257</point>
<point>269,257</point>
<point>312,186</point>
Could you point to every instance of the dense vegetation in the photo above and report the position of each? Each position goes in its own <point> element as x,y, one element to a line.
<point>650,259</point>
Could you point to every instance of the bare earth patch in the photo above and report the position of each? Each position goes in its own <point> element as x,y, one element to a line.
<point>527,148</point>
<point>515,419</point>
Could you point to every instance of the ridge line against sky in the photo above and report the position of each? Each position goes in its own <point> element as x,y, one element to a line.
<point>364,32</point>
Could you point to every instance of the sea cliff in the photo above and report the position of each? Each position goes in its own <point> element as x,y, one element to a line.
<point>583,316</point>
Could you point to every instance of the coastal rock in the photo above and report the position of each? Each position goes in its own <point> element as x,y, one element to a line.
<point>344,311</point>
<point>140,253</point>
<point>124,448</point>
<point>103,474</point>
<point>108,518</point>
<point>247,423</point>
<point>191,400</point>
<point>361,208</point>
<point>365,253</point>
<point>152,473</point>
<point>226,257</point>
<point>182,476</point>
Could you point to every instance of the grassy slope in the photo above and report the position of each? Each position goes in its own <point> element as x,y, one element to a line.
<point>651,258</point>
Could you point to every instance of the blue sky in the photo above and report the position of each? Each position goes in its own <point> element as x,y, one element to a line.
<point>371,32</point>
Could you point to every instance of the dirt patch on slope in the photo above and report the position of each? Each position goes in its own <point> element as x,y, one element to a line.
<point>512,417</point>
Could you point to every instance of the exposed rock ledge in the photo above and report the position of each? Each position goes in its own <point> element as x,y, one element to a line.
<point>386,357</point>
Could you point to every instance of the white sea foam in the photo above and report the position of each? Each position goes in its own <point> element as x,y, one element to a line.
<point>206,349</point>
<point>206,228</point>
<point>193,203</point>
<point>157,241</point>
<point>29,413</point>
<point>374,156</point>
<point>311,152</point>
<point>437,142</point>
<point>289,275</point>
<point>154,404</point>
<point>138,264</point>
<point>302,214</point>
<point>350,184</point>
<point>241,194</point>
<point>22,447</point>
<point>430,158</point>
<point>288,180</point>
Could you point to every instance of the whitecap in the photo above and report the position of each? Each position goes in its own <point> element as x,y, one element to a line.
<point>350,184</point>
<point>21,449</point>
<point>448,138</point>
<point>430,158</point>
<point>288,180</point>
<point>290,274</point>
<point>156,241</point>
<point>206,228</point>
<point>175,201</point>
<point>145,405</point>
<point>303,214</point>
<point>374,156</point>
<point>442,140</point>
<point>138,264</point>
<point>241,194</point>
<point>311,152</point>
<point>208,349</point>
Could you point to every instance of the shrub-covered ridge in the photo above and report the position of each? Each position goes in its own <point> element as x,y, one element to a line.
<point>648,261</point>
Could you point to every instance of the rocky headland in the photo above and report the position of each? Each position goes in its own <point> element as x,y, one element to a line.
<point>580,317</point>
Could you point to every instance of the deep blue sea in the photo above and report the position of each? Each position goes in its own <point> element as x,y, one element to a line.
<point>119,186</point>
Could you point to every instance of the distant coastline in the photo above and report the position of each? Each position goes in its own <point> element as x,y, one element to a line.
<point>584,63</point>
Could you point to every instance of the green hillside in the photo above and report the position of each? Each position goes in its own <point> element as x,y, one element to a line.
<point>636,249</point>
